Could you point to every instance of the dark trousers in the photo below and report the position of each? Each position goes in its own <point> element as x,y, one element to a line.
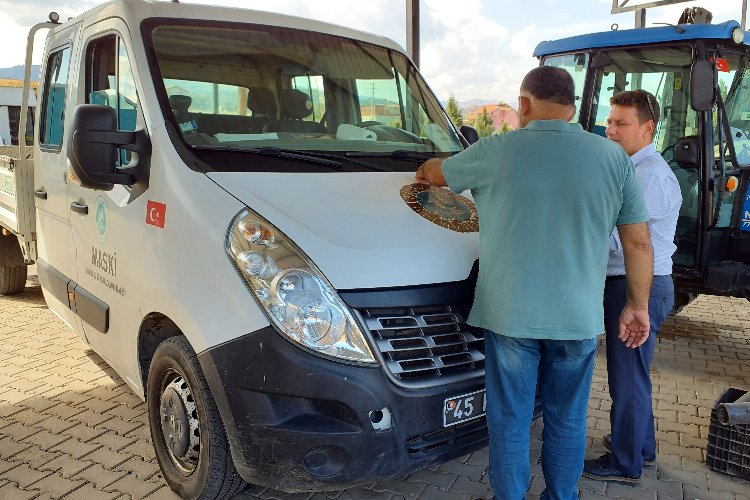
<point>631,416</point>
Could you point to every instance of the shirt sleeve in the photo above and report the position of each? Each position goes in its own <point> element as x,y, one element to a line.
<point>465,170</point>
<point>633,208</point>
<point>658,192</point>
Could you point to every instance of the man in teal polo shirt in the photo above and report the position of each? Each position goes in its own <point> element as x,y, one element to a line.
<point>548,196</point>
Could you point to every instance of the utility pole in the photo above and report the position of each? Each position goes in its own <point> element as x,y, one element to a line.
<point>640,18</point>
<point>412,30</point>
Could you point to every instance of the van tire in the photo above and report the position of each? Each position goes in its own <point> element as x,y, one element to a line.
<point>198,464</point>
<point>12,279</point>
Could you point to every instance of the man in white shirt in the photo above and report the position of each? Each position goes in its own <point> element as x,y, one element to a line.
<point>632,123</point>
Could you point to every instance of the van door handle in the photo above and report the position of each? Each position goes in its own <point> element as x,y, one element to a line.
<point>40,193</point>
<point>79,208</point>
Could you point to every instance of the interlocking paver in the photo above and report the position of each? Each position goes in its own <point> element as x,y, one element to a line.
<point>34,456</point>
<point>113,441</point>
<point>57,486</point>
<point>99,476</point>
<point>403,487</point>
<point>442,481</point>
<point>11,491</point>
<point>107,457</point>
<point>88,492</point>
<point>9,447</point>
<point>54,388</point>
<point>133,486</point>
<point>24,475</point>
<point>66,465</point>
<point>76,448</point>
<point>140,468</point>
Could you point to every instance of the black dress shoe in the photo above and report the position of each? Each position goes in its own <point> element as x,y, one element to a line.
<point>646,460</point>
<point>602,469</point>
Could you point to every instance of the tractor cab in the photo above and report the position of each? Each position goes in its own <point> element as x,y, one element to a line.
<point>700,75</point>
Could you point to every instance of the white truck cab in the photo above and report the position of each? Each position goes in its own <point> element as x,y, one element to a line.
<point>221,203</point>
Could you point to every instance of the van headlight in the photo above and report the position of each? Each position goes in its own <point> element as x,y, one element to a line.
<point>295,295</point>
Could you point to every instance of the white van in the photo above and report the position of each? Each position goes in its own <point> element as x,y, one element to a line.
<point>225,211</point>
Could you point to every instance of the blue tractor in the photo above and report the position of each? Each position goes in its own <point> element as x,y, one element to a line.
<point>700,74</point>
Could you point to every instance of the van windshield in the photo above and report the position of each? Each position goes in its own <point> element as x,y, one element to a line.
<point>249,87</point>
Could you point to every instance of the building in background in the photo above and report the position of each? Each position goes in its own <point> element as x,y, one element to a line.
<point>11,96</point>
<point>503,117</point>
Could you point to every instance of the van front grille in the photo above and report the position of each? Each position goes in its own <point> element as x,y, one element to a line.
<point>426,345</point>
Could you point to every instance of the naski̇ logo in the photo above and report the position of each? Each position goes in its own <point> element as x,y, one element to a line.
<point>102,219</point>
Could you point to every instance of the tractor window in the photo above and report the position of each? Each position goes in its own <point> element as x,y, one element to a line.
<point>734,86</point>
<point>665,73</point>
<point>576,65</point>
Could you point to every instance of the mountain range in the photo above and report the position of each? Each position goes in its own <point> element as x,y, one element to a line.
<point>16,72</point>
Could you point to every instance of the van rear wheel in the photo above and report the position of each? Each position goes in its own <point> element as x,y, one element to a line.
<point>186,428</point>
<point>12,279</point>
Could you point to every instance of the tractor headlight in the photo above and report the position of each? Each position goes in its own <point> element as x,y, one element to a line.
<point>738,35</point>
<point>292,291</point>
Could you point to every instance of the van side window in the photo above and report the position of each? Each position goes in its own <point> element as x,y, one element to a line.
<point>53,107</point>
<point>110,82</point>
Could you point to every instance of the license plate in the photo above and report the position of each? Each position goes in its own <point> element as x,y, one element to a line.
<point>462,408</point>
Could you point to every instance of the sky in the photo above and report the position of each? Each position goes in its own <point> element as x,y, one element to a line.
<point>473,49</point>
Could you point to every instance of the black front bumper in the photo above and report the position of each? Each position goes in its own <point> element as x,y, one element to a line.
<point>298,422</point>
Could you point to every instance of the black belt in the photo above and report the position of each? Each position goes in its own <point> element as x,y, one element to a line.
<point>616,277</point>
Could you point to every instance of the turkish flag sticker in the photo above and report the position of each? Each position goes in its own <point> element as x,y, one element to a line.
<point>156,213</point>
<point>722,65</point>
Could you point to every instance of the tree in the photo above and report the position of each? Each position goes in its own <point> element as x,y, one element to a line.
<point>483,124</point>
<point>723,90</point>
<point>453,112</point>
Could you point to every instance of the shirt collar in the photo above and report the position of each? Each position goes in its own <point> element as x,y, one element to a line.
<point>645,152</point>
<point>561,125</point>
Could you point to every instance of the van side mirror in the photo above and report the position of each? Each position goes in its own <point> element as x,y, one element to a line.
<point>470,134</point>
<point>93,148</point>
<point>702,85</point>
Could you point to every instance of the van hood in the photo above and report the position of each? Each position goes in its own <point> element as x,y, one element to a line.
<point>356,227</point>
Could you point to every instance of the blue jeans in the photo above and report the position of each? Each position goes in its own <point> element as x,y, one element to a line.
<point>564,368</point>
<point>631,415</point>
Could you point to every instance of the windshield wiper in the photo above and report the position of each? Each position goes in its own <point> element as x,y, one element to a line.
<point>297,155</point>
<point>281,153</point>
<point>398,154</point>
<point>348,156</point>
<point>333,161</point>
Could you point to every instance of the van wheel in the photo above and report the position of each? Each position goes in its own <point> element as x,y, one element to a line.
<point>186,428</point>
<point>12,279</point>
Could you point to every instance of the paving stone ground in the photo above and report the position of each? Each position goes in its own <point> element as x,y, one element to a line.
<point>70,427</point>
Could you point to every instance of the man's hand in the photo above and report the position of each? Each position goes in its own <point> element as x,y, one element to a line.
<point>639,270</point>
<point>431,172</point>
<point>634,326</point>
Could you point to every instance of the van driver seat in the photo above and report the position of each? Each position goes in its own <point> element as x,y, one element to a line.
<point>180,105</point>
<point>262,103</point>
<point>296,105</point>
